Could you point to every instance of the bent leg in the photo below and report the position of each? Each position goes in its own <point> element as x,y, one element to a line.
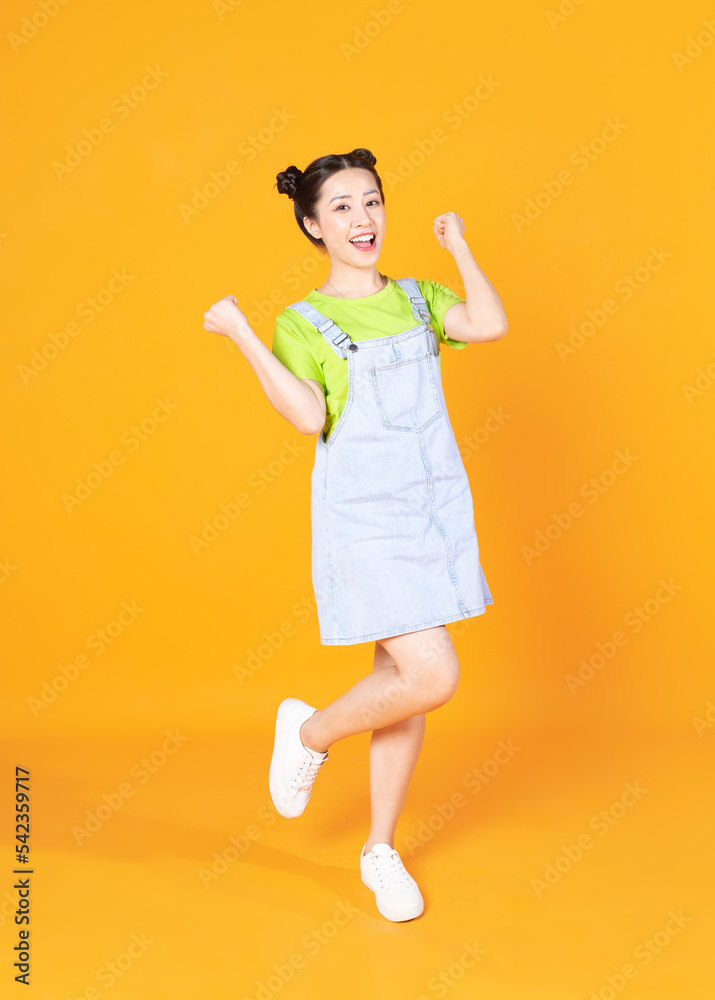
<point>394,751</point>
<point>423,675</point>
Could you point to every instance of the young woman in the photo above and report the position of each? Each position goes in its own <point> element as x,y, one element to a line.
<point>394,548</point>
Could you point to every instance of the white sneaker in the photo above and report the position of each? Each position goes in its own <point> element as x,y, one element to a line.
<point>293,766</point>
<point>396,892</point>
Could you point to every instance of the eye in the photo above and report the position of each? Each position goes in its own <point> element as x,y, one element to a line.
<point>373,201</point>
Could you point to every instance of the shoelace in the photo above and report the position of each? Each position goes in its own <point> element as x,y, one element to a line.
<point>307,772</point>
<point>390,869</point>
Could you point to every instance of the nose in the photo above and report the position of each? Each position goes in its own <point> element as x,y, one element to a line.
<point>362,218</point>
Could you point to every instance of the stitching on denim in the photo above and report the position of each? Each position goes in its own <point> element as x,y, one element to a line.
<point>395,337</point>
<point>326,521</point>
<point>416,627</point>
<point>386,422</point>
<point>443,533</point>
<point>348,406</point>
<point>317,319</point>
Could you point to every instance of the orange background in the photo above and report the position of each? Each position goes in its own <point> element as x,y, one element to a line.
<point>643,715</point>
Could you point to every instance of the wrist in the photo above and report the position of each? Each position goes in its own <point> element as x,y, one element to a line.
<point>455,244</point>
<point>241,332</point>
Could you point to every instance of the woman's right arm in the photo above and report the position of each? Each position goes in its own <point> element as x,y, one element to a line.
<point>299,401</point>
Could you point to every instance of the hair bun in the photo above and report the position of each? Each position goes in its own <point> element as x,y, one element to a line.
<point>287,181</point>
<point>364,154</point>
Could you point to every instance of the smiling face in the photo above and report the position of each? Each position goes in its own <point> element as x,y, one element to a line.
<point>350,209</point>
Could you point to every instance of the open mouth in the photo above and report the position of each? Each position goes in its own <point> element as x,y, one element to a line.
<point>363,242</point>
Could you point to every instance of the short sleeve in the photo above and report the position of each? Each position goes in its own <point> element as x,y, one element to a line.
<point>291,347</point>
<point>439,299</point>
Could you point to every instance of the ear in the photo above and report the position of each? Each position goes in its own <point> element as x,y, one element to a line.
<point>312,227</point>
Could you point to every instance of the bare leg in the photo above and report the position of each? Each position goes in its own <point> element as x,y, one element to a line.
<point>393,755</point>
<point>423,675</point>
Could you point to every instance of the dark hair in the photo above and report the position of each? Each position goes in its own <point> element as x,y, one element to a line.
<point>304,186</point>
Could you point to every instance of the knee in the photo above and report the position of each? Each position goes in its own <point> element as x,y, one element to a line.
<point>442,683</point>
<point>429,668</point>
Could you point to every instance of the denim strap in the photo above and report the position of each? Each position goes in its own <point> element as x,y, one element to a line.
<point>327,327</point>
<point>418,302</point>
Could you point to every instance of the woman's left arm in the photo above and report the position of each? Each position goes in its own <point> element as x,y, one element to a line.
<point>482,316</point>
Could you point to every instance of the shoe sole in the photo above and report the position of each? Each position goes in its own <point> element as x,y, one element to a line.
<point>289,712</point>
<point>418,908</point>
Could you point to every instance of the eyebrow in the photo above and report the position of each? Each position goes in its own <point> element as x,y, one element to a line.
<point>373,191</point>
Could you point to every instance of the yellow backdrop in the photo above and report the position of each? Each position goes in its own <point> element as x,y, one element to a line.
<point>559,819</point>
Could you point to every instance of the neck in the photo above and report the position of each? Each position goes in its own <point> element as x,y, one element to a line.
<point>353,282</point>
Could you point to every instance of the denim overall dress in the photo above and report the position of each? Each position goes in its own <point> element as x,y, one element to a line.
<point>394,547</point>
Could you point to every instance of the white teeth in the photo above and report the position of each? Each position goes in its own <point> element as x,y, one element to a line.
<point>362,239</point>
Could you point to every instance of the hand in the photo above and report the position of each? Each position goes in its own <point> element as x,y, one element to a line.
<point>448,228</point>
<point>225,317</point>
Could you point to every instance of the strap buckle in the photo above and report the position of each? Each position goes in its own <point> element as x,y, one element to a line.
<point>419,305</point>
<point>324,327</point>
<point>341,339</point>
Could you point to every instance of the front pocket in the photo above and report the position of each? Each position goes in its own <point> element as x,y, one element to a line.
<point>406,393</point>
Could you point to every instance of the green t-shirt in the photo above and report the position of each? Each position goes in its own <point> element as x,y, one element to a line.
<point>305,352</point>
